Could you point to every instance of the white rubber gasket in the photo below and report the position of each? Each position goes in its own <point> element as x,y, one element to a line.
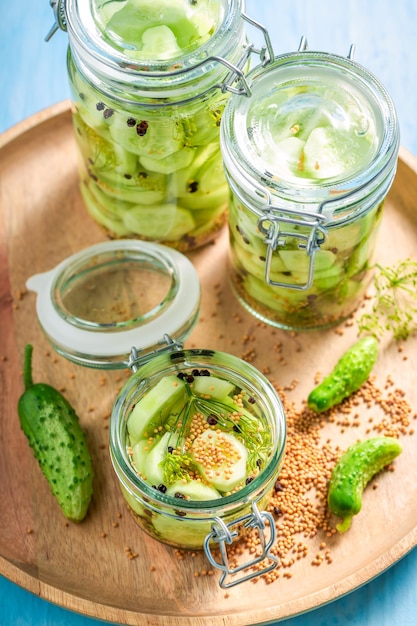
<point>101,344</point>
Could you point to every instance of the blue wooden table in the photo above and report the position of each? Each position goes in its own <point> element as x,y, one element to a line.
<point>33,77</point>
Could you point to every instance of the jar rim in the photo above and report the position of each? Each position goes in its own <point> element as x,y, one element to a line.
<point>228,363</point>
<point>106,344</point>
<point>245,166</point>
<point>89,46</point>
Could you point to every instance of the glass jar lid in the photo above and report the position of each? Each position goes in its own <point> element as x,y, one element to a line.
<point>150,40</point>
<point>317,125</point>
<point>101,302</point>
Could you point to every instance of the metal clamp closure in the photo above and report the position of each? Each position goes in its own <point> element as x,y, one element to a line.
<point>236,74</point>
<point>270,224</point>
<point>58,7</point>
<point>137,358</point>
<point>222,534</point>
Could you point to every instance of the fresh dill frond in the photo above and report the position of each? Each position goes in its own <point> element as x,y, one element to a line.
<point>394,307</point>
<point>176,467</point>
<point>244,425</point>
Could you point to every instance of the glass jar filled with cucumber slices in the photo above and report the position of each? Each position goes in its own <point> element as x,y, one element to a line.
<point>149,81</point>
<point>309,157</point>
<point>197,442</point>
<point>197,437</point>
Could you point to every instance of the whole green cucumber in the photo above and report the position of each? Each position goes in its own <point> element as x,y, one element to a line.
<point>58,442</point>
<point>349,374</point>
<point>352,473</point>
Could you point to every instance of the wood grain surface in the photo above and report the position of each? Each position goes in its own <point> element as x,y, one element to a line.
<point>85,567</point>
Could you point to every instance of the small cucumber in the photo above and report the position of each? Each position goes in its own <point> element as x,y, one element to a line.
<point>352,473</point>
<point>58,442</point>
<point>351,371</point>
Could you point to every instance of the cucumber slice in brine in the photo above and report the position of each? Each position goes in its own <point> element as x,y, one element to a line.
<point>159,42</point>
<point>330,152</point>
<point>162,222</point>
<point>193,490</point>
<point>128,25</point>
<point>101,215</point>
<point>179,530</point>
<point>155,407</point>
<point>143,188</point>
<point>169,163</point>
<point>221,459</point>
<point>212,386</point>
<point>154,138</point>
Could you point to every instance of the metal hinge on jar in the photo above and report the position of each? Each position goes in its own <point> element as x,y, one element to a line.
<point>138,358</point>
<point>237,72</point>
<point>273,225</point>
<point>222,534</point>
<point>58,7</point>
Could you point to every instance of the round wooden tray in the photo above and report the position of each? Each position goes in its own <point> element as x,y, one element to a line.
<point>86,567</point>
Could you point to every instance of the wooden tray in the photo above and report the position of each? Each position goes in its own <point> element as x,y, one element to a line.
<point>85,567</point>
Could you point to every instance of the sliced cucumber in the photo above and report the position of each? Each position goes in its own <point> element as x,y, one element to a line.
<point>161,222</point>
<point>212,386</point>
<point>159,42</point>
<point>272,297</point>
<point>330,152</point>
<point>255,264</point>
<point>193,490</point>
<point>101,215</point>
<point>134,18</point>
<point>149,189</point>
<point>284,156</point>
<point>214,201</point>
<point>203,128</point>
<point>153,469</point>
<point>299,261</point>
<point>221,459</point>
<point>139,453</point>
<point>168,395</point>
<point>184,177</point>
<point>181,531</point>
<point>155,138</point>
<point>169,163</point>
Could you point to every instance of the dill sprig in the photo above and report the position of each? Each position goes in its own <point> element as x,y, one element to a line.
<point>228,416</point>
<point>246,428</point>
<point>394,307</point>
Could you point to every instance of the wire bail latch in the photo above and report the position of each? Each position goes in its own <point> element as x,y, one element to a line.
<point>137,359</point>
<point>310,237</point>
<point>58,7</point>
<point>223,534</point>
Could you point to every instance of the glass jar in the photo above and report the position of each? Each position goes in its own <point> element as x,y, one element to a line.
<point>160,496</point>
<point>97,310</point>
<point>309,159</point>
<point>149,81</point>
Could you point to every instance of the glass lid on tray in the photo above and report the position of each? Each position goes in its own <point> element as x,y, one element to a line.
<point>104,303</point>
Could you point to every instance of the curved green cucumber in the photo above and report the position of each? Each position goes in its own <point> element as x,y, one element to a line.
<point>352,473</point>
<point>349,374</point>
<point>58,442</point>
